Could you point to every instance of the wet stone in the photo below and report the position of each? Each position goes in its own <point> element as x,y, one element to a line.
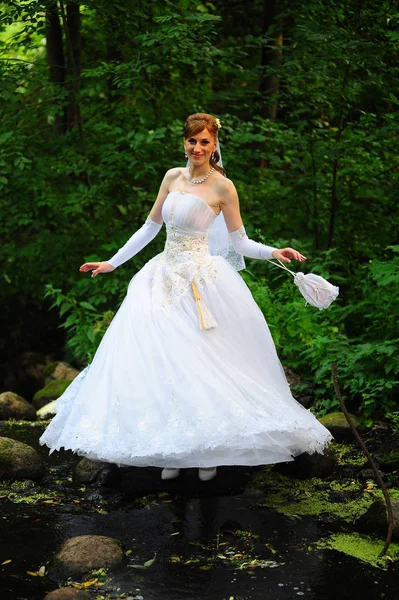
<point>13,406</point>
<point>66,593</point>
<point>19,461</point>
<point>81,554</point>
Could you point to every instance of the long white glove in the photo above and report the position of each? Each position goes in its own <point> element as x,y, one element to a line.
<point>243,245</point>
<point>137,242</point>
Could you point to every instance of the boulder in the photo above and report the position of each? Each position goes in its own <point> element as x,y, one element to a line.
<point>19,461</point>
<point>93,471</point>
<point>59,370</point>
<point>52,391</point>
<point>338,426</point>
<point>68,593</point>
<point>375,519</point>
<point>47,411</point>
<point>79,555</point>
<point>13,406</point>
<point>307,465</point>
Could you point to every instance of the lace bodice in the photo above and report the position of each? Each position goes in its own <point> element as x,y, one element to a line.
<point>186,258</point>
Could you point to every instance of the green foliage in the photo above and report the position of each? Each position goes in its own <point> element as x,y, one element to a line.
<point>321,176</point>
<point>85,325</point>
<point>310,340</point>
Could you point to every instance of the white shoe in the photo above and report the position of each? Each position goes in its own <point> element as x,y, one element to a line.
<point>170,473</point>
<point>207,474</point>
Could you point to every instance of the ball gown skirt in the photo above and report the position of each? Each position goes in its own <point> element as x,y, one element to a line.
<point>187,373</point>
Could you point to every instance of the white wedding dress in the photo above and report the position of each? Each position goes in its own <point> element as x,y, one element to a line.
<point>187,373</point>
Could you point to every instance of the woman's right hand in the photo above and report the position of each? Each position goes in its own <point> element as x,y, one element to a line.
<point>96,267</point>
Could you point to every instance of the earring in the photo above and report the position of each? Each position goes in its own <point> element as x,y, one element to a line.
<point>213,155</point>
<point>185,154</point>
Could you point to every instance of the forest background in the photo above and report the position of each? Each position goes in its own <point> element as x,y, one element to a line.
<point>93,100</point>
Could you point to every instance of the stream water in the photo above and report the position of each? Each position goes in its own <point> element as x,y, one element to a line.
<point>191,528</point>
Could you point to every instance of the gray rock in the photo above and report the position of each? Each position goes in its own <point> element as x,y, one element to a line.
<point>13,406</point>
<point>19,461</point>
<point>68,593</point>
<point>93,471</point>
<point>81,554</point>
<point>338,426</point>
<point>52,391</point>
<point>307,465</point>
<point>375,519</point>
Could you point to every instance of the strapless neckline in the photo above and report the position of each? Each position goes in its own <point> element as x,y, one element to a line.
<point>181,193</point>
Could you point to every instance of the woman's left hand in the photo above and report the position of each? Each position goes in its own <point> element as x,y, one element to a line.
<point>285,255</point>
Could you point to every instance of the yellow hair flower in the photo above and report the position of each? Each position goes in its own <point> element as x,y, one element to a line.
<point>217,121</point>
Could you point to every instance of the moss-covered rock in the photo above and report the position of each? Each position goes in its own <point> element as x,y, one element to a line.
<point>375,519</point>
<point>59,370</point>
<point>79,555</point>
<point>19,461</point>
<point>338,426</point>
<point>13,406</point>
<point>52,391</point>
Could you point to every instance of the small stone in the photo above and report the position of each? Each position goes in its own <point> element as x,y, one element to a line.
<point>80,555</point>
<point>19,461</point>
<point>47,411</point>
<point>13,406</point>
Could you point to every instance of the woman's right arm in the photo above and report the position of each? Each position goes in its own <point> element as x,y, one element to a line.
<point>140,238</point>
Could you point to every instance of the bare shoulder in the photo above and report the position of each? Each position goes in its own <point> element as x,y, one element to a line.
<point>173,174</point>
<point>226,190</point>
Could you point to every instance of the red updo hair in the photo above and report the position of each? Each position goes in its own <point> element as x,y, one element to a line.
<point>198,122</point>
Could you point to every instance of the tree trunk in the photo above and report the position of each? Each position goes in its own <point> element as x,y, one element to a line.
<point>55,57</point>
<point>271,57</point>
<point>74,43</point>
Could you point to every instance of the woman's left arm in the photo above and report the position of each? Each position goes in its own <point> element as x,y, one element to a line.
<point>241,243</point>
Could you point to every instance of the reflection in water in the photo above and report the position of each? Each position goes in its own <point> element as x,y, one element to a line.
<point>198,515</point>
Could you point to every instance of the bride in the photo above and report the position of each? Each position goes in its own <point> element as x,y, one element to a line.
<point>187,373</point>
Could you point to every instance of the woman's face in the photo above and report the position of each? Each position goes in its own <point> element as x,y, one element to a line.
<point>199,148</point>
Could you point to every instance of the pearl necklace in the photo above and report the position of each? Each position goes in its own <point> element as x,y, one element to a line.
<point>198,181</point>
